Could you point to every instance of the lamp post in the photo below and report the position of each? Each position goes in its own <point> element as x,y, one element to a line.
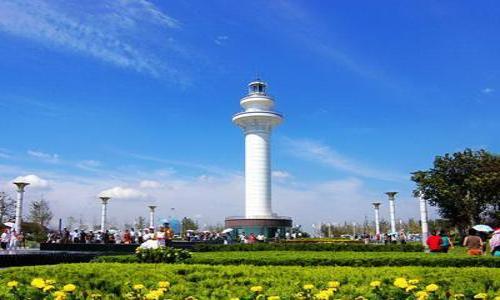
<point>392,210</point>
<point>423,219</point>
<point>152,215</point>
<point>353,230</point>
<point>19,204</point>
<point>104,212</point>
<point>376,208</point>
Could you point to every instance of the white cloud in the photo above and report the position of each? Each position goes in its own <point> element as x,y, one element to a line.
<point>281,175</point>
<point>89,165</point>
<point>221,40</point>
<point>119,192</point>
<point>47,157</point>
<point>34,181</point>
<point>112,31</point>
<point>315,151</point>
<point>487,90</point>
<point>150,184</point>
<point>3,154</point>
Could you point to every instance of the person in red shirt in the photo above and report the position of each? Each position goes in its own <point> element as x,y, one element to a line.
<point>434,242</point>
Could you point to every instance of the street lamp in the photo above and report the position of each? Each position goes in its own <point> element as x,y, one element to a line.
<point>104,211</point>
<point>19,204</point>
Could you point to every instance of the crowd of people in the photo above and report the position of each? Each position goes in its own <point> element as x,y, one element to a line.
<point>11,240</point>
<point>163,234</point>
<point>475,242</point>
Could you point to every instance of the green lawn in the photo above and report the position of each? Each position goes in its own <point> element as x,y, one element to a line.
<point>222,282</point>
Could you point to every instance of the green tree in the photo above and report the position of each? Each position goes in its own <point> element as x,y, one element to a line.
<point>188,224</point>
<point>464,186</point>
<point>40,213</point>
<point>40,216</point>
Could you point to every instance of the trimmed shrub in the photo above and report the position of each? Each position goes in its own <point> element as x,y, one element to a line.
<point>304,258</point>
<point>43,258</point>
<point>310,247</point>
<point>161,255</point>
<point>352,259</point>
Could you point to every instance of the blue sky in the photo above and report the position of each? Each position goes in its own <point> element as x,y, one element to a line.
<point>138,95</point>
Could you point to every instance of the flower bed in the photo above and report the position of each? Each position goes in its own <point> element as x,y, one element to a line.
<point>310,247</point>
<point>119,281</point>
<point>305,258</point>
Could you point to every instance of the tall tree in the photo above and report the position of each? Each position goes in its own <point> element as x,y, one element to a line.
<point>40,212</point>
<point>188,224</point>
<point>464,186</point>
<point>7,207</point>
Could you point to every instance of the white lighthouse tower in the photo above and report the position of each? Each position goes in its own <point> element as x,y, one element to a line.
<point>257,121</point>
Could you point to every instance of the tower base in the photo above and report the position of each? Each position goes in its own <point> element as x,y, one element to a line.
<point>269,227</point>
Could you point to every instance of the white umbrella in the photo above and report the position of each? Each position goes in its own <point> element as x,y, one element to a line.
<point>483,228</point>
<point>9,224</point>
<point>227,230</point>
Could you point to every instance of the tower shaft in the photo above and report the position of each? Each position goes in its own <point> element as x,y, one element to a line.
<point>257,173</point>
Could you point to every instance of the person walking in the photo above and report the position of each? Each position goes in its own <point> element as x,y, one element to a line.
<point>169,235</point>
<point>13,240</point>
<point>402,237</point>
<point>434,242</point>
<point>160,236</point>
<point>446,243</point>
<point>473,243</point>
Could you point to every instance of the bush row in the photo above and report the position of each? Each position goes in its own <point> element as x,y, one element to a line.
<point>353,259</point>
<point>324,241</point>
<point>36,258</point>
<point>118,281</point>
<point>309,247</point>
<point>304,258</point>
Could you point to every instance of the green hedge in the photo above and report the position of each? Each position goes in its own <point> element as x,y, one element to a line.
<point>43,258</point>
<point>113,281</point>
<point>353,259</point>
<point>305,258</point>
<point>309,247</point>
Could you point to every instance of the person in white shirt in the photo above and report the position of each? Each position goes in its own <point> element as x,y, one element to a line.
<point>74,236</point>
<point>13,240</point>
<point>5,239</point>
<point>118,238</point>
<point>261,237</point>
<point>147,235</point>
<point>160,236</point>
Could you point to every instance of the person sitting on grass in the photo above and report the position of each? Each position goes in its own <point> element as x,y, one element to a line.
<point>473,243</point>
<point>434,242</point>
<point>445,242</point>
